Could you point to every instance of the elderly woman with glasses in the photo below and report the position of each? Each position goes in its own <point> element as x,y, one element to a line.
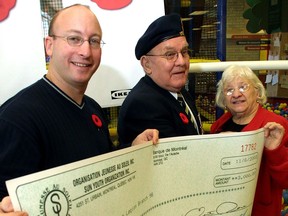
<point>242,94</point>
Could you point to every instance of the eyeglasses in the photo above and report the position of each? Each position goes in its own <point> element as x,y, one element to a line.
<point>173,55</point>
<point>243,88</point>
<point>76,41</point>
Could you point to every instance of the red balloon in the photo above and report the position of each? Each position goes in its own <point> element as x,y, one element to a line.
<point>5,7</point>
<point>112,4</point>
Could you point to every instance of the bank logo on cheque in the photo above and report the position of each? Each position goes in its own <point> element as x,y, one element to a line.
<point>55,201</point>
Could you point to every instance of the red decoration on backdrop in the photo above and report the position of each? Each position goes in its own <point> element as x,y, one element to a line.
<point>97,121</point>
<point>5,7</point>
<point>112,4</point>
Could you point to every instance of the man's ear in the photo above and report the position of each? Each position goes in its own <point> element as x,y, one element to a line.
<point>49,45</point>
<point>145,62</point>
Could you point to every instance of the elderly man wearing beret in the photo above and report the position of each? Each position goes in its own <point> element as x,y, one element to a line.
<point>153,101</point>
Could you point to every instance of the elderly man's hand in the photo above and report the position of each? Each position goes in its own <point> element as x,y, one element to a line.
<point>147,135</point>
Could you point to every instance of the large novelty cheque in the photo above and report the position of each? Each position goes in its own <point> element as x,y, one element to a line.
<point>185,176</point>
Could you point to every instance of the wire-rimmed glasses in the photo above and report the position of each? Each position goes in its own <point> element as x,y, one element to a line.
<point>74,41</point>
<point>243,88</point>
<point>173,55</point>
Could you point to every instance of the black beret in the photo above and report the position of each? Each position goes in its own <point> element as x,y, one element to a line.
<point>163,28</point>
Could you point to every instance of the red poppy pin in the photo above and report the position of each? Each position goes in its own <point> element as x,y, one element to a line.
<point>97,121</point>
<point>184,118</point>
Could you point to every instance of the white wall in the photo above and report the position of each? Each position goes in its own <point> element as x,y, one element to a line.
<point>22,59</point>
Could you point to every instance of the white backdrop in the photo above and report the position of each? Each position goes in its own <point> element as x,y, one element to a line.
<point>22,59</point>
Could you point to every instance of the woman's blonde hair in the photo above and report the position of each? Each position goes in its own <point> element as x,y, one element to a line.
<point>236,71</point>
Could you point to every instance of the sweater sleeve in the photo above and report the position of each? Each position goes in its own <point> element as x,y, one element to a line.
<point>20,154</point>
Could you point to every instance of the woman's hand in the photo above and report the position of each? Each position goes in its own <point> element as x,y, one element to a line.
<point>273,133</point>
